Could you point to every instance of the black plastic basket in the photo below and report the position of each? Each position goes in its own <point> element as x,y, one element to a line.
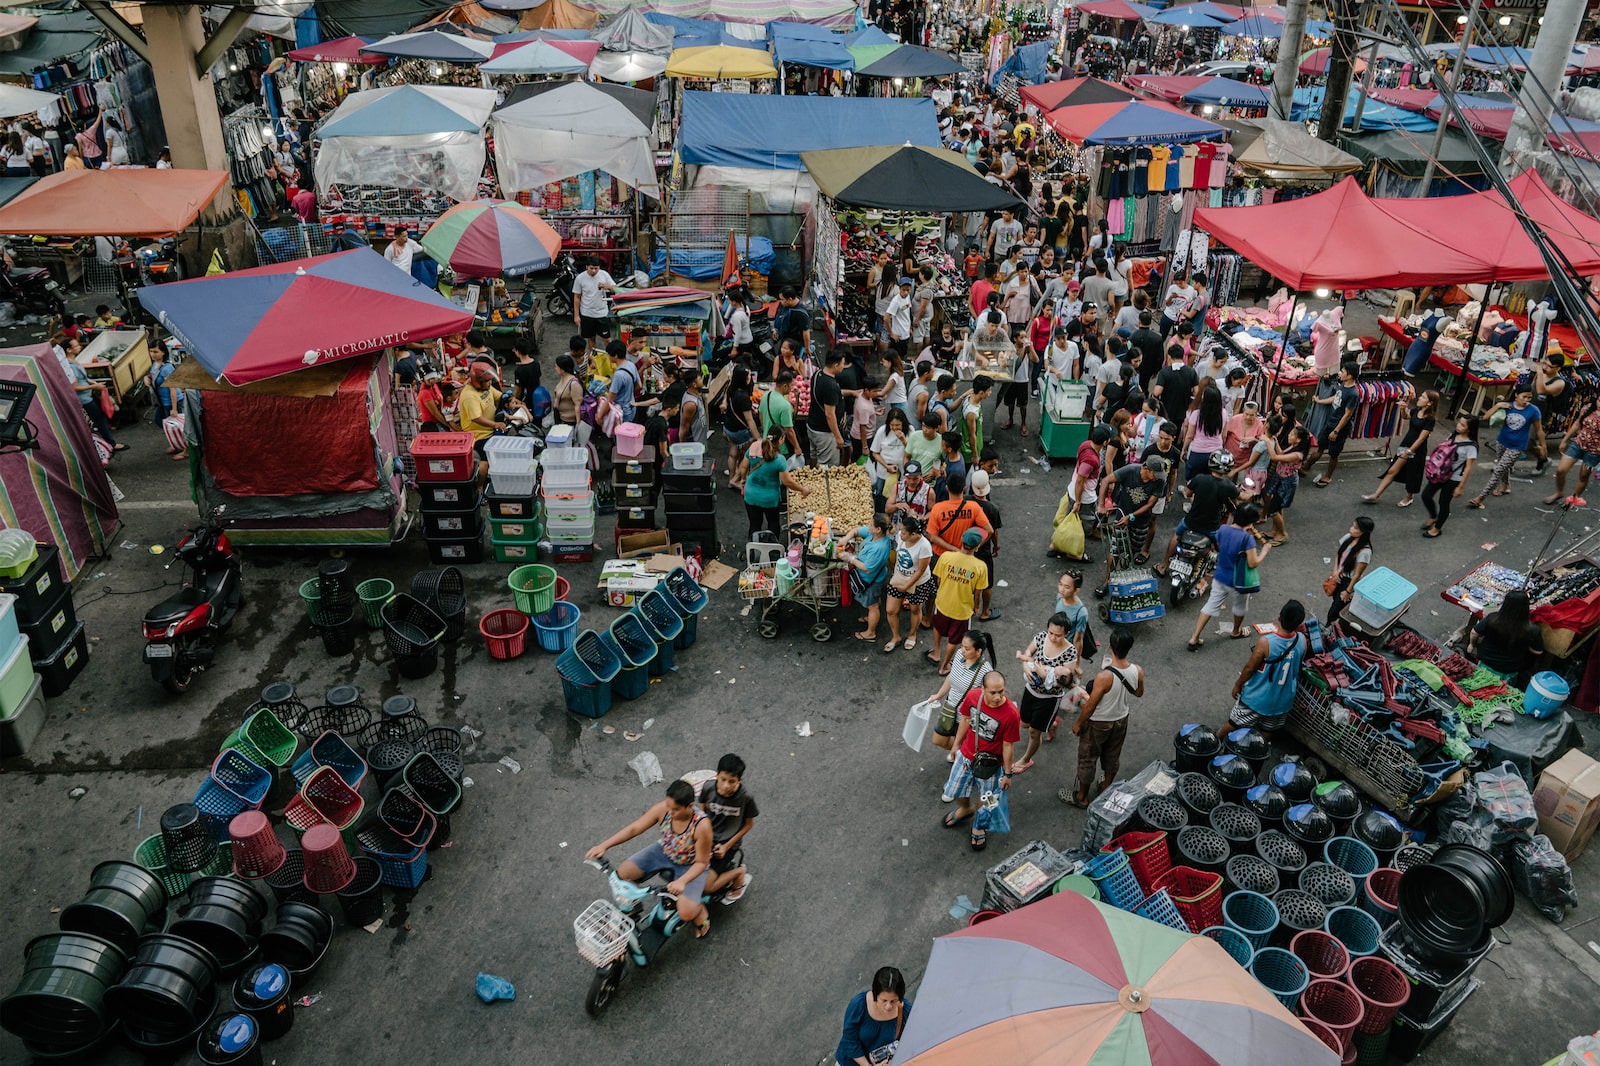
<point>1238,825</point>
<point>444,589</point>
<point>339,634</point>
<point>336,588</point>
<point>1412,855</point>
<point>1284,854</point>
<point>451,763</point>
<point>279,698</point>
<point>411,627</point>
<point>441,740</point>
<point>1162,813</point>
<point>347,721</point>
<point>1199,794</point>
<point>1202,848</point>
<point>431,783</point>
<point>1251,873</point>
<point>1332,886</point>
<point>1298,910</point>
<point>408,728</point>
<point>387,758</point>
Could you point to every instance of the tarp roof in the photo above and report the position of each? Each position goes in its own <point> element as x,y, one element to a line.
<point>809,46</point>
<point>823,12</point>
<point>1285,149</point>
<point>340,50</point>
<point>409,111</point>
<point>1344,239</point>
<point>535,57</point>
<point>904,178</point>
<point>11,188</point>
<point>631,31</point>
<point>697,32</point>
<point>436,43</point>
<point>1133,122</point>
<point>1123,10</point>
<point>1407,155</point>
<point>770,132</point>
<point>558,15</point>
<point>641,104</point>
<point>628,66</point>
<point>122,203</point>
<point>58,35</point>
<point>720,61</point>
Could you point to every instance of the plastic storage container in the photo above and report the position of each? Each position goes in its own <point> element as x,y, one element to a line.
<point>1407,1038</point>
<point>19,728</point>
<point>630,440</point>
<point>38,587</point>
<point>1379,597</point>
<point>459,495</point>
<point>468,549</point>
<point>1544,696</point>
<point>16,678</point>
<point>443,456</point>
<point>687,456</point>
<point>559,437</point>
<point>18,550</point>
<point>502,506</point>
<point>10,628</point>
<point>64,664</point>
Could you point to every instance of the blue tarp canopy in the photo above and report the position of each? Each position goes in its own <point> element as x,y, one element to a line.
<point>693,33</point>
<point>868,35</point>
<point>1225,92</point>
<point>1375,116</point>
<point>1026,64</point>
<point>770,132</point>
<point>699,264</point>
<point>809,46</point>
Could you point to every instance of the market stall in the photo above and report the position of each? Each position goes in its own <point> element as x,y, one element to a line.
<point>407,147</point>
<point>894,199</point>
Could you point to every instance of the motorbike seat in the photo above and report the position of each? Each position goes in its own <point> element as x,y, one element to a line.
<point>23,275</point>
<point>1195,541</point>
<point>174,609</point>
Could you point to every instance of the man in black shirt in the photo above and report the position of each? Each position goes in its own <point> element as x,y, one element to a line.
<point>825,423</point>
<point>793,321</point>
<point>1147,342</point>
<point>1175,385</point>
<point>1211,496</point>
<point>732,810</point>
<point>1135,490</point>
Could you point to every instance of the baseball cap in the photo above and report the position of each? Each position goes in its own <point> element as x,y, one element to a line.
<point>978,483</point>
<point>906,281</point>
<point>1155,464</point>
<point>1074,285</point>
<point>913,469</point>
<point>971,538</point>
<point>1124,332</point>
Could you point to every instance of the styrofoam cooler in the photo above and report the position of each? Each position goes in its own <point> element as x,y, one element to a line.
<point>919,723</point>
<point>1379,597</point>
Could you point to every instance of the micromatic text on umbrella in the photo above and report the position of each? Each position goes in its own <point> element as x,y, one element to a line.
<point>371,344</point>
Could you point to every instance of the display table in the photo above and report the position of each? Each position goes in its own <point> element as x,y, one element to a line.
<point>119,357</point>
<point>1482,589</point>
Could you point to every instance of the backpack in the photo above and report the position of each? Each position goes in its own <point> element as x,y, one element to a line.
<point>1441,464</point>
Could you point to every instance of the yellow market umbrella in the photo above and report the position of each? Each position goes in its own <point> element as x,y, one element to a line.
<point>720,61</point>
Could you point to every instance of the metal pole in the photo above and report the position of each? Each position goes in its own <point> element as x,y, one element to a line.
<point>1366,86</point>
<point>1557,32</point>
<point>1287,71</point>
<point>1459,390</point>
<point>1444,118</point>
<point>1342,48</point>
<point>1283,349</point>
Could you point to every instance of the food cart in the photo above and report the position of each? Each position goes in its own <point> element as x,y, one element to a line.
<point>120,358</point>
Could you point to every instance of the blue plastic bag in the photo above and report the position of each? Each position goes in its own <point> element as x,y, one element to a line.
<point>491,988</point>
<point>994,818</point>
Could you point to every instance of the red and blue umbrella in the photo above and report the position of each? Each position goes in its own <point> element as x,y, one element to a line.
<point>1070,982</point>
<point>491,238</point>
<point>260,323</point>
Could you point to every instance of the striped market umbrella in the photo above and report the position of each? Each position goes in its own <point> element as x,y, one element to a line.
<point>1071,982</point>
<point>491,238</point>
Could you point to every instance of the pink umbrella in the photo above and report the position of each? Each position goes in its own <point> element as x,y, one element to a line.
<point>1316,62</point>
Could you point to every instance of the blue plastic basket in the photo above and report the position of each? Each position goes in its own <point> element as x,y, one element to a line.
<point>632,640</point>
<point>631,683</point>
<point>1252,914</point>
<point>330,749</point>
<point>691,633</point>
<point>1357,930</point>
<point>217,808</point>
<point>1354,857</point>
<point>1233,942</point>
<point>656,608</point>
<point>234,772</point>
<point>591,701</point>
<point>687,594</point>
<point>1282,973</point>
<point>1158,907</point>
<point>557,627</point>
<point>400,863</point>
<point>590,660</point>
<point>1113,876</point>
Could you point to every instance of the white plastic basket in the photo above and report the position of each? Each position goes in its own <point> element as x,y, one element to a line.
<point>688,456</point>
<point>563,458</point>
<point>602,932</point>
<point>514,455</point>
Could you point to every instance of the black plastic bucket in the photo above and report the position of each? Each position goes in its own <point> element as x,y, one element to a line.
<point>60,997</point>
<point>262,992</point>
<point>362,899</point>
<point>169,989</point>
<point>124,902</point>
<point>286,882</point>
<point>230,1040</point>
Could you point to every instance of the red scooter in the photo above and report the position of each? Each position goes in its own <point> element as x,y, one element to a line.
<point>182,632</point>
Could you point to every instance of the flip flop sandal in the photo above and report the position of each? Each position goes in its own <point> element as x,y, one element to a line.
<point>910,643</point>
<point>951,820</point>
<point>891,646</point>
<point>1018,769</point>
<point>1549,501</point>
<point>1407,502</point>
<point>869,637</point>
<point>1196,645</point>
<point>979,841</point>
<point>1430,534</point>
<point>1065,796</point>
<point>1322,483</point>
<point>1476,503</point>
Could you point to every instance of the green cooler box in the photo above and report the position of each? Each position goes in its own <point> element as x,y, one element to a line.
<point>1063,423</point>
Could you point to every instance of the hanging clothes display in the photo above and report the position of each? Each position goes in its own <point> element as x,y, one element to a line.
<point>1383,400</point>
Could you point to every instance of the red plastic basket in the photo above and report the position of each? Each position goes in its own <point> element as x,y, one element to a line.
<point>1323,1033</point>
<point>1196,893</point>
<point>325,799</point>
<point>1148,855</point>
<point>1334,1004</point>
<point>562,588</point>
<point>1383,988</point>
<point>505,632</point>
<point>1322,952</point>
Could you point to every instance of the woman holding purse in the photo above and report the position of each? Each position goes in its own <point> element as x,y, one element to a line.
<point>1350,561</point>
<point>1049,668</point>
<point>973,659</point>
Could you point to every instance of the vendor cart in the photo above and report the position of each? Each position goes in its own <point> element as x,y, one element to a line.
<point>813,587</point>
<point>1135,594</point>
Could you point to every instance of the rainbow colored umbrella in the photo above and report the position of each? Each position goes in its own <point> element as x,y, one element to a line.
<point>491,238</point>
<point>1071,982</point>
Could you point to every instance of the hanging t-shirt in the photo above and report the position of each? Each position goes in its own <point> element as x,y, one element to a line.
<point>1159,154</point>
<point>1140,174</point>
<point>1175,168</point>
<point>1186,166</point>
<point>1219,168</point>
<point>1205,152</point>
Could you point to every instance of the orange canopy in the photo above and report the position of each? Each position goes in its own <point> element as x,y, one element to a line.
<point>112,203</point>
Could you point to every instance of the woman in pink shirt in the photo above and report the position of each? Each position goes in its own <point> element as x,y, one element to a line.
<point>1203,431</point>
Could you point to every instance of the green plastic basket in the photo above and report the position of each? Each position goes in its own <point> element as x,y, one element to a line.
<point>374,593</point>
<point>152,855</point>
<point>533,588</point>
<point>263,739</point>
<point>309,596</point>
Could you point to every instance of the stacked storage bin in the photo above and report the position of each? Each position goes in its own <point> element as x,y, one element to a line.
<point>689,490</point>
<point>447,479</point>
<point>569,504</point>
<point>58,646</point>
<point>514,527</point>
<point>21,690</point>
<point>634,481</point>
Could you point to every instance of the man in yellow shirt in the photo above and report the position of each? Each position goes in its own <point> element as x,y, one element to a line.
<point>480,401</point>
<point>961,577</point>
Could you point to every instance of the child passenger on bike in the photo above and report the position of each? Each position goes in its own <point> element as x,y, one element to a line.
<point>733,812</point>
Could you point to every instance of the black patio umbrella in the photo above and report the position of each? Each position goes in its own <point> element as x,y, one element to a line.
<point>904,178</point>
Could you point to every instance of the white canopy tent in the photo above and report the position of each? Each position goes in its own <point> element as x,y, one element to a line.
<point>567,130</point>
<point>628,66</point>
<point>408,136</point>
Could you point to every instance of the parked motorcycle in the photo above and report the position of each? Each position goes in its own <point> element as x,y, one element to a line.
<point>34,291</point>
<point>181,633</point>
<point>1191,567</point>
<point>559,301</point>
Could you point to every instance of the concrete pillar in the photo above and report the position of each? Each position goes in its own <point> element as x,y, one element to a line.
<point>1287,72</point>
<point>1556,38</point>
<point>175,36</point>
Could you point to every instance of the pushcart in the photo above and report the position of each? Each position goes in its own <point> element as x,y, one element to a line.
<point>1135,593</point>
<point>815,587</point>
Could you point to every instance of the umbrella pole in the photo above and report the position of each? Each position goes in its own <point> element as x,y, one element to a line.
<point>1283,348</point>
<point>1458,392</point>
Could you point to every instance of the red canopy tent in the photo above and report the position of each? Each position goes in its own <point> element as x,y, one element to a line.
<point>1169,87</point>
<point>1075,92</point>
<point>1484,226</point>
<point>338,50</point>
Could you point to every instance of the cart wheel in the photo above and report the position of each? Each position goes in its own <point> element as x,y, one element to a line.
<point>767,629</point>
<point>1105,613</point>
<point>822,632</point>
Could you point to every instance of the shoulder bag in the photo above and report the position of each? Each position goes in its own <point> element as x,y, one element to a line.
<point>944,730</point>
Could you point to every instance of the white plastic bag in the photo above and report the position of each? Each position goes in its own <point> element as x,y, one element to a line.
<point>648,767</point>
<point>919,723</point>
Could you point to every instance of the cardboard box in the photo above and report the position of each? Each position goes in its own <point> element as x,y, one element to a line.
<point>1568,800</point>
<point>644,545</point>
